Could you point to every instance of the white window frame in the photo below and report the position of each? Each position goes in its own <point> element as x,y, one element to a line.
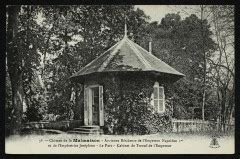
<point>156,85</point>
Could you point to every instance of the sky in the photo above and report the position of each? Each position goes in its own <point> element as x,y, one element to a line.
<point>157,12</point>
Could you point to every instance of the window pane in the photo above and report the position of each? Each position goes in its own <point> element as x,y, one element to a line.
<point>161,91</point>
<point>161,103</point>
<point>96,91</point>
<point>155,92</point>
<point>156,103</point>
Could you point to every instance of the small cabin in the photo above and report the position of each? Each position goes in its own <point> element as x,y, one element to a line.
<point>122,84</point>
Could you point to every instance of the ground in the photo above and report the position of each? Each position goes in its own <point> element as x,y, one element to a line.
<point>143,144</point>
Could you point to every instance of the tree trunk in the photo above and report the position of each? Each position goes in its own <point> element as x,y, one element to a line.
<point>17,100</point>
<point>14,62</point>
<point>223,109</point>
<point>231,106</point>
<point>204,65</point>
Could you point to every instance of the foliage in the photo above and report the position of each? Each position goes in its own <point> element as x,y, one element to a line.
<point>55,42</point>
<point>127,107</point>
<point>77,36</point>
<point>33,113</point>
<point>156,122</point>
<point>8,95</point>
<point>14,69</point>
<point>178,42</point>
<point>47,44</point>
<point>222,65</point>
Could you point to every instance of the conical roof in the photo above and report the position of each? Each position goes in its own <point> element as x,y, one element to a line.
<point>126,55</point>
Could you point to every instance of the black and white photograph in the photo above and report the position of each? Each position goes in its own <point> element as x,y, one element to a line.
<point>120,79</point>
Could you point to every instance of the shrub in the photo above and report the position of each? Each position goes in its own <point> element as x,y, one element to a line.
<point>127,107</point>
<point>32,114</point>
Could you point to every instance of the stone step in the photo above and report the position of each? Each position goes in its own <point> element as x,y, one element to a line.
<point>90,127</point>
<point>82,132</point>
<point>52,131</point>
<point>85,129</point>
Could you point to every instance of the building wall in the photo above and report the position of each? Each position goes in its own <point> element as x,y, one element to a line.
<point>127,108</point>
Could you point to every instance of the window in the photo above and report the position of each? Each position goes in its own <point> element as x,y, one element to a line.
<point>158,98</point>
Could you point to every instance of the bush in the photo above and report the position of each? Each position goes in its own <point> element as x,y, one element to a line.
<point>128,110</point>
<point>33,112</point>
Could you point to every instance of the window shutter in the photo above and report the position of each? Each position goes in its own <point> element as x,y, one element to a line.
<point>86,90</point>
<point>161,99</point>
<point>155,98</point>
<point>158,98</point>
<point>155,93</point>
<point>101,106</point>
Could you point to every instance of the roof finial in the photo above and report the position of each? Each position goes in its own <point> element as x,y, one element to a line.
<point>125,29</point>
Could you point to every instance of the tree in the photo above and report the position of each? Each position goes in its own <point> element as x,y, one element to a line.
<point>74,36</point>
<point>179,43</point>
<point>23,44</point>
<point>204,63</point>
<point>30,44</point>
<point>14,63</point>
<point>222,65</point>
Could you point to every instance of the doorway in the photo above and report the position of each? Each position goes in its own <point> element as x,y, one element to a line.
<point>95,105</point>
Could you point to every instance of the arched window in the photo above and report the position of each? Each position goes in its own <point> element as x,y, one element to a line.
<point>158,98</point>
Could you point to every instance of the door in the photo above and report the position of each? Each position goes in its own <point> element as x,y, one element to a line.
<point>95,105</point>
